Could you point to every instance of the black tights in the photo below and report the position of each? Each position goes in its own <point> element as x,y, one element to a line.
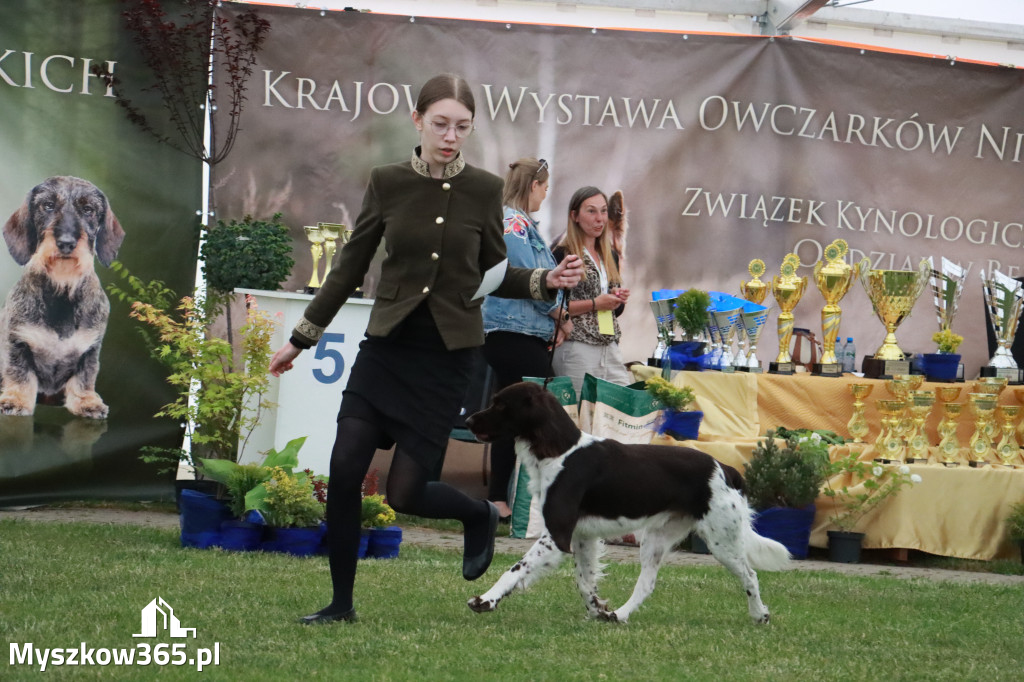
<point>408,492</point>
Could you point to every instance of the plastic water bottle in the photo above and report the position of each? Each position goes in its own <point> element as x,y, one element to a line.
<point>841,353</point>
<point>849,356</point>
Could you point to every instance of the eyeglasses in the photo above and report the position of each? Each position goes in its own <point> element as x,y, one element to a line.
<point>543,165</point>
<point>441,128</point>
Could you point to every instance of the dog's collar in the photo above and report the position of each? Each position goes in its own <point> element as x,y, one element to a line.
<point>451,169</point>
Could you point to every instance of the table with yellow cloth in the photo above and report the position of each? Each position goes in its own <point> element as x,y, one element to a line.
<point>954,511</point>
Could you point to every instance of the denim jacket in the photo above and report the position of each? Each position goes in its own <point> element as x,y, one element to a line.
<point>525,249</point>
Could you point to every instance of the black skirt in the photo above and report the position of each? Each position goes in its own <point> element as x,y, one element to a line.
<point>411,386</point>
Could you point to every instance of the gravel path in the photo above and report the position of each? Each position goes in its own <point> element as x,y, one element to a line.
<point>453,541</point>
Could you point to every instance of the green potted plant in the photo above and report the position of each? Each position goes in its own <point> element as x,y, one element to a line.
<point>242,483</point>
<point>382,539</point>
<point>1015,526</point>
<point>691,313</point>
<point>679,419</point>
<point>942,366</point>
<point>783,483</point>
<point>292,512</point>
<point>856,488</point>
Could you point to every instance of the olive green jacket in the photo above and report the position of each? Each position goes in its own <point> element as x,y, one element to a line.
<point>440,236</point>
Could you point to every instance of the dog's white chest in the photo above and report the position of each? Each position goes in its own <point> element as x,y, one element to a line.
<point>543,472</point>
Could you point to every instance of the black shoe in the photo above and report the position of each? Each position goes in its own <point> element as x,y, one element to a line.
<point>320,618</point>
<point>475,564</point>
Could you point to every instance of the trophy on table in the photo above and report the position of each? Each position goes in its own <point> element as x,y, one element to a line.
<point>949,444</point>
<point>1008,450</point>
<point>983,405</point>
<point>892,294</point>
<point>1004,297</point>
<point>858,425</point>
<point>787,288</point>
<point>316,248</point>
<point>726,322</point>
<point>752,319</point>
<point>921,402</point>
<point>833,277</point>
<point>663,305</point>
<point>335,234</point>
<point>889,444</point>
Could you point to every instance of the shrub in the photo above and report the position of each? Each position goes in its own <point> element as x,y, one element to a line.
<point>787,477</point>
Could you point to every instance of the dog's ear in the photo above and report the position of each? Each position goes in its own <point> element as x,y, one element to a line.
<point>108,241</point>
<point>20,235</point>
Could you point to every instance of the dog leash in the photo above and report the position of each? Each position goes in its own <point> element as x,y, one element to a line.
<point>563,316</point>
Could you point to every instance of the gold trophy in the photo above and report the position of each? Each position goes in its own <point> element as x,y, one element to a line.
<point>753,322</point>
<point>1008,449</point>
<point>335,233</point>
<point>833,277</point>
<point>889,444</point>
<point>858,426</point>
<point>754,290</point>
<point>316,249</point>
<point>892,294</point>
<point>1004,298</point>
<point>984,406</point>
<point>787,288</point>
<point>992,386</point>
<point>949,444</point>
<point>917,442</point>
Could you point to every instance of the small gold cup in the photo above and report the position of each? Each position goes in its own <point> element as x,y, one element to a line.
<point>889,445</point>
<point>983,405</point>
<point>858,425</point>
<point>949,443</point>
<point>1008,450</point>
<point>917,440</point>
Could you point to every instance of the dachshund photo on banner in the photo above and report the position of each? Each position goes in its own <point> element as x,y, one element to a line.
<point>54,319</point>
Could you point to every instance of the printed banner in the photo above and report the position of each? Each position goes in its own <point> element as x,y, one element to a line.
<point>726,149</point>
<point>107,190</point>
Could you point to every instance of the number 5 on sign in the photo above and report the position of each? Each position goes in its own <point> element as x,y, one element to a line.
<point>324,352</point>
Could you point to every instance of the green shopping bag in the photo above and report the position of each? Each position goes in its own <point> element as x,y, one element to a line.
<point>527,519</point>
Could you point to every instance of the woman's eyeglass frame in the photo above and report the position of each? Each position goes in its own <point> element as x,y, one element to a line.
<point>441,128</point>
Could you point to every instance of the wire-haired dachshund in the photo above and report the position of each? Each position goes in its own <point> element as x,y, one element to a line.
<point>53,323</point>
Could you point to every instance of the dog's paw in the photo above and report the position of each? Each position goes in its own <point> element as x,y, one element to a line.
<point>481,605</point>
<point>88,406</point>
<point>763,620</point>
<point>610,617</point>
<point>15,408</point>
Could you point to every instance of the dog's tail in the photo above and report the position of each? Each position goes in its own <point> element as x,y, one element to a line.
<point>762,553</point>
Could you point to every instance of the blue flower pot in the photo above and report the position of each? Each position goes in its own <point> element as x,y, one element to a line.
<point>788,525</point>
<point>941,366</point>
<point>241,536</point>
<point>384,542</point>
<point>364,543</point>
<point>200,516</point>
<point>681,425</point>
<point>294,541</point>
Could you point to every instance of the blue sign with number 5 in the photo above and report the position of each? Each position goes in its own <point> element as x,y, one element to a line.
<point>334,355</point>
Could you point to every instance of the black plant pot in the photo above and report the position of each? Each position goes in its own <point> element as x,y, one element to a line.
<point>844,546</point>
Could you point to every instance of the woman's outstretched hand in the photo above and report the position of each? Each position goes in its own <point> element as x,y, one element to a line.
<point>282,360</point>
<point>566,274</point>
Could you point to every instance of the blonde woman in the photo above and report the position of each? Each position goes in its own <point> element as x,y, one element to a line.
<point>594,303</point>
<point>519,331</point>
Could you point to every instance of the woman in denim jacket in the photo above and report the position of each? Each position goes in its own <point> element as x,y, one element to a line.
<point>518,331</point>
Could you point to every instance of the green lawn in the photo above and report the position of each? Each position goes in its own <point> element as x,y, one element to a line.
<point>62,585</point>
